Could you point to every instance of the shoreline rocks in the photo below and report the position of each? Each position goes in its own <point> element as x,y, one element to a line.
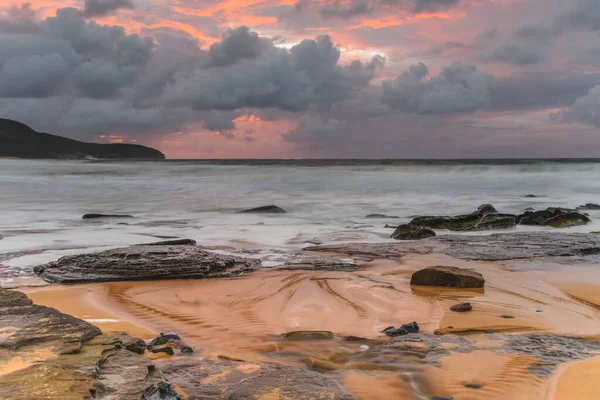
<point>96,216</point>
<point>137,263</point>
<point>412,232</point>
<point>463,307</point>
<point>441,275</point>
<point>272,209</point>
<point>405,329</point>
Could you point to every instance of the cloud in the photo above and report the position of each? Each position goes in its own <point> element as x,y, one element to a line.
<point>434,5</point>
<point>458,88</point>
<point>515,54</point>
<point>237,44</point>
<point>95,8</point>
<point>345,10</point>
<point>586,110</point>
<point>356,8</point>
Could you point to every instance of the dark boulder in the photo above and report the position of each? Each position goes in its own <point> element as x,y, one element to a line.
<point>175,242</point>
<point>405,329</point>
<point>170,341</point>
<point>447,276</point>
<point>96,216</point>
<point>137,263</point>
<point>486,209</point>
<point>412,232</point>
<point>530,196</point>
<point>556,217</point>
<point>567,220</point>
<point>272,209</point>
<point>589,206</point>
<point>163,338</point>
<point>166,350</point>
<point>463,307</point>
<point>381,216</point>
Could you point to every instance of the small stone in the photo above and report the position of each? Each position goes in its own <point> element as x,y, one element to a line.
<point>463,307</point>
<point>473,386</point>
<point>364,347</point>
<point>413,327</point>
<point>530,196</point>
<point>447,276</point>
<point>163,338</point>
<point>405,329</point>
<point>539,309</point>
<point>507,316</point>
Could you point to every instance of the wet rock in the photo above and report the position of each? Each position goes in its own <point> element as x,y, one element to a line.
<point>211,380</point>
<point>25,323</point>
<point>472,222</point>
<point>145,263</point>
<point>381,216</point>
<point>473,386</point>
<point>442,398</point>
<point>507,316</point>
<point>166,350</point>
<point>163,338</point>
<point>162,391</point>
<point>405,329</point>
<point>176,242</point>
<point>309,262</point>
<point>486,209</point>
<point>463,307</point>
<point>530,196</point>
<point>388,226</point>
<point>567,220</point>
<point>308,335</point>
<point>589,206</point>
<point>272,209</point>
<point>447,276</point>
<point>412,232</point>
<point>96,216</point>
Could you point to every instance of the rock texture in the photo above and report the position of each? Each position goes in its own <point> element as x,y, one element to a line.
<point>272,209</point>
<point>215,380</point>
<point>463,307</point>
<point>412,232</point>
<point>471,222</point>
<point>447,276</point>
<point>553,216</point>
<point>381,216</point>
<point>145,263</point>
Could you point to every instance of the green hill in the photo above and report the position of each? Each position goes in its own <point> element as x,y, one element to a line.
<point>19,140</point>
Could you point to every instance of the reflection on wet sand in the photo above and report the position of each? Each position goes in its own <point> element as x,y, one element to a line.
<point>244,319</point>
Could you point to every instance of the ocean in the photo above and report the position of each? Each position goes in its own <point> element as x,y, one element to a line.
<point>327,200</point>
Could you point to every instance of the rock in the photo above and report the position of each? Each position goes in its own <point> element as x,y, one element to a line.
<point>553,216</point>
<point>589,206</point>
<point>530,196</point>
<point>304,261</point>
<point>447,276</point>
<point>166,350</point>
<point>473,386</point>
<point>412,232</point>
<point>264,210</point>
<point>163,338</point>
<point>162,391</point>
<point>381,216</point>
<point>176,242</point>
<point>507,316</point>
<point>463,307</point>
<point>486,209</point>
<point>561,247</point>
<point>388,226</point>
<point>472,222</point>
<point>33,324</point>
<point>308,335</point>
<point>567,220</point>
<point>145,263</point>
<point>405,329</point>
<point>95,216</point>
<point>198,379</point>
<point>442,398</point>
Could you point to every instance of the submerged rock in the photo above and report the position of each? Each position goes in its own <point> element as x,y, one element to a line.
<point>553,216</point>
<point>463,307</point>
<point>174,242</point>
<point>447,276</point>
<point>589,206</point>
<point>412,232</point>
<point>381,216</point>
<point>272,209</point>
<point>95,216</point>
<point>567,220</point>
<point>170,340</point>
<point>486,209</point>
<point>308,335</point>
<point>145,263</point>
<point>214,380</point>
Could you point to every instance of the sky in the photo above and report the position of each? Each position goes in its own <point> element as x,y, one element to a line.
<point>309,78</point>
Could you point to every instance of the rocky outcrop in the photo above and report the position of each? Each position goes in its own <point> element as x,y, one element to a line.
<point>412,232</point>
<point>447,276</point>
<point>381,216</point>
<point>97,216</point>
<point>214,380</point>
<point>272,209</point>
<point>145,263</point>
<point>589,207</point>
<point>405,329</point>
<point>556,217</point>
<point>84,362</point>
<point>174,242</point>
<point>486,209</point>
<point>471,222</point>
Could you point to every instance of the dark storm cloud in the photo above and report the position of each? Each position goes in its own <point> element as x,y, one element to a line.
<point>237,44</point>
<point>19,19</point>
<point>95,8</point>
<point>515,54</point>
<point>289,80</point>
<point>458,88</point>
<point>339,10</point>
<point>434,5</point>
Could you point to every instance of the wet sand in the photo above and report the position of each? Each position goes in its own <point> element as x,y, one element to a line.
<point>244,318</point>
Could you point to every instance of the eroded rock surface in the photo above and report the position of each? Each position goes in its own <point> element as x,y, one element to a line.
<point>145,263</point>
<point>441,275</point>
<point>412,232</point>
<point>207,380</point>
<point>272,209</point>
<point>471,222</point>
